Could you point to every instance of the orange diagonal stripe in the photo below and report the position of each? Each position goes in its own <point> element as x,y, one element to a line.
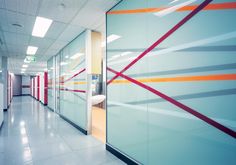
<point>184,78</point>
<point>216,6</point>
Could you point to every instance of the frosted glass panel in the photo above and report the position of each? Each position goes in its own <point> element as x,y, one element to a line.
<point>73,82</point>
<point>51,85</point>
<point>174,101</point>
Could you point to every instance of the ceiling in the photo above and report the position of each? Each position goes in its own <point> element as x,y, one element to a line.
<point>70,18</point>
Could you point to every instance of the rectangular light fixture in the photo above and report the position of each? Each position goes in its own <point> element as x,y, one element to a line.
<point>25,66</point>
<point>41,26</point>
<point>110,38</point>
<point>63,63</point>
<point>22,70</point>
<point>77,55</point>
<point>31,50</point>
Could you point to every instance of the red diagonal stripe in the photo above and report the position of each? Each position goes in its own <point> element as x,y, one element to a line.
<point>180,105</point>
<point>74,76</point>
<point>164,37</point>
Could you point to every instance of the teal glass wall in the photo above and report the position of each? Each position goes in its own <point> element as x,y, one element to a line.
<point>73,82</point>
<point>174,102</point>
<point>50,69</point>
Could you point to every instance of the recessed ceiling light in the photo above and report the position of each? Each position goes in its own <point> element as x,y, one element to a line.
<point>31,50</point>
<point>63,63</point>
<point>77,55</point>
<point>66,56</point>
<point>25,66</point>
<point>111,38</point>
<point>26,61</point>
<point>41,26</point>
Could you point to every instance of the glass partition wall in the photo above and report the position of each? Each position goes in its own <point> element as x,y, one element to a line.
<point>51,85</point>
<point>171,81</point>
<point>73,82</point>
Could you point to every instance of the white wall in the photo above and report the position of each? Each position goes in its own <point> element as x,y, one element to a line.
<point>41,87</point>
<point>25,85</point>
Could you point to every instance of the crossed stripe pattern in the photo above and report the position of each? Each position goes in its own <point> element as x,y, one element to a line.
<point>200,116</point>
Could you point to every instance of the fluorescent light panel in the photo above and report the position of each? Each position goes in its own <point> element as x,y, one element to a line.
<point>41,26</point>
<point>25,66</point>
<point>31,50</point>
<point>63,63</point>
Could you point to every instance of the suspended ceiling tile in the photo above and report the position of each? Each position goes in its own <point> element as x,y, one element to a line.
<point>55,30</point>
<point>52,9</point>
<point>16,39</point>
<point>41,43</point>
<point>22,6</point>
<point>58,45</point>
<point>70,33</point>
<point>93,11</point>
<point>51,52</point>
<point>27,22</point>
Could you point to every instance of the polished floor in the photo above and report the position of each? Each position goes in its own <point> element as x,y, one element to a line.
<point>99,124</point>
<point>32,134</point>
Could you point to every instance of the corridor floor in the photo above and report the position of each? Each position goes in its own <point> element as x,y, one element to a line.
<point>32,134</point>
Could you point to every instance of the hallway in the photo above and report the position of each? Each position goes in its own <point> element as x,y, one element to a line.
<point>32,134</point>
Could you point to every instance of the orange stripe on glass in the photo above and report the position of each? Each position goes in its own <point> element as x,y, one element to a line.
<point>216,6</point>
<point>182,79</point>
<point>74,83</point>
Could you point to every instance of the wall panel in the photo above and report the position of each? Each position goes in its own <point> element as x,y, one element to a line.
<point>174,99</point>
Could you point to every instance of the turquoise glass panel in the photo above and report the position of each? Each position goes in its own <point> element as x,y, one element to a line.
<point>178,89</point>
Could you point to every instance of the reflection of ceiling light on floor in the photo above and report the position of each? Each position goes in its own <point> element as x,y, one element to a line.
<point>22,123</point>
<point>23,131</point>
<point>25,140</point>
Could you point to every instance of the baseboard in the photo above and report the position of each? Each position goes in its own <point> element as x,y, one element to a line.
<point>21,95</point>
<point>50,109</point>
<point>121,156</point>
<point>74,125</point>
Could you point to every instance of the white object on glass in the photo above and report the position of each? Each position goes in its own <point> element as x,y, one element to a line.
<point>98,99</point>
